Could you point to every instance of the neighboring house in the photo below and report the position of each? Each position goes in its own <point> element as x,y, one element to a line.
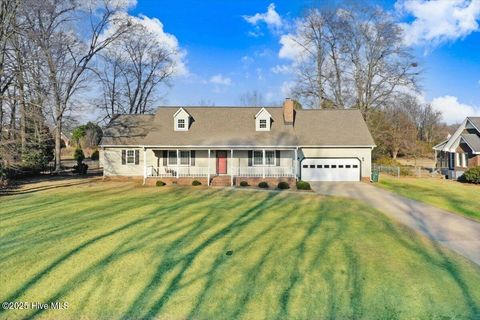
<point>461,150</point>
<point>226,145</point>
<point>66,139</point>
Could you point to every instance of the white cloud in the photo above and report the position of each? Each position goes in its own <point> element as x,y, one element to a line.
<point>281,69</point>
<point>219,79</point>
<point>290,49</point>
<point>454,111</point>
<point>271,18</point>
<point>435,22</point>
<point>155,27</point>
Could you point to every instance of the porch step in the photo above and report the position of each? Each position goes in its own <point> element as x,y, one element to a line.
<point>221,181</point>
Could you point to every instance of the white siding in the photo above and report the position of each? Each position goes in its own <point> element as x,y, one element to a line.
<point>112,163</point>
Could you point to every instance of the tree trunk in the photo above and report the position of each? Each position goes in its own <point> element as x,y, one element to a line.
<point>58,145</point>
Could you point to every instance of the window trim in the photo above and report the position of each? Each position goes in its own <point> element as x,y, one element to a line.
<point>262,123</point>
<point>261,157</point>
<point>185,124</point>
<point>179,158</point>
<point>274,157</point>
<point>181,122</point>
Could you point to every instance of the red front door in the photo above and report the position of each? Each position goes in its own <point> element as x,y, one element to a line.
<point>221,162</point>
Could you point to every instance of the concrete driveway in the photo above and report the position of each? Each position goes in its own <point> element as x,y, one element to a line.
<point>454,231</point>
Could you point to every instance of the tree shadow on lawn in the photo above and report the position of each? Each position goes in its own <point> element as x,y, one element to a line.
<point>180,232</point>
<point>440,259</point>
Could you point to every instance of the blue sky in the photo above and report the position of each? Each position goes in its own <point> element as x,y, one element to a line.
<point>225,55</point>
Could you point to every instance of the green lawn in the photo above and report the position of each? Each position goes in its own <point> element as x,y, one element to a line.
<point>115,250</point>
<point>450,195</point>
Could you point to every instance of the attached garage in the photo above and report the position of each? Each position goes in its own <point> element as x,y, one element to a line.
<point>331,169</point>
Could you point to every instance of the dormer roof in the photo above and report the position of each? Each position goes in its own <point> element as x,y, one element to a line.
<point>263,111</point>
<point>181,111</point>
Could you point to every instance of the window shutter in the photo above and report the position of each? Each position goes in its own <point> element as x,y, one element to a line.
<point>165,156</point>
<point>137,156</point>
<point>192,158</point>
<point>250,155</point>
<point>277,155</point>
<point>124,156</point>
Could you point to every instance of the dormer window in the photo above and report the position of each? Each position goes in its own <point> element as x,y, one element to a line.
<point>263,120</point>
<point>180,123</point>
<point>263,124</point>
<point>181,120</point>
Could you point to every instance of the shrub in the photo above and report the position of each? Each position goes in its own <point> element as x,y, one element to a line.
<point>303,185</point>
<point>78,155</point>
<point>160,183</point>
<point>80,168</point>
<point>386,161</point>
<point>283,185</point>
<point>35,160</point>
<point>406,171</point>
<point>95,155</point>
<point>196,183</point>
<point>263,185</point>
<point>472,175</point>
<point>244,184</point>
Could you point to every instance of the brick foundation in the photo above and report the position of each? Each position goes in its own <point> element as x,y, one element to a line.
<point>252,181</point>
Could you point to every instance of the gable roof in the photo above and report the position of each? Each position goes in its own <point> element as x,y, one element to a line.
<point>472,140</point>
<point>180,110</point>
<point>263,110</point>
<point>235,126</point>
<point>475,121</point>
<point>460,134</point>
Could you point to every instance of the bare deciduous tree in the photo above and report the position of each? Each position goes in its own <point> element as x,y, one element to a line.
<point>66,52</point>
<point>351,57</point>
<point>133,71</point>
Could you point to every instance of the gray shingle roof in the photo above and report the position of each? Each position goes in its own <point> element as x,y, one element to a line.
<point>475,121</point>
<point>472,140</point>
<point>226,126</point>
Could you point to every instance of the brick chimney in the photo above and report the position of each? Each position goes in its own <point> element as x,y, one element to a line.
<point>289,111</point>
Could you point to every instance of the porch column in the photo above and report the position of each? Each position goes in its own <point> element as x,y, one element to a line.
<point>144,165</point>
<point>263,163</point>
<point>178,162</point>
<point>295,163</point>
<point>231,167</point>
<point>208,173</point>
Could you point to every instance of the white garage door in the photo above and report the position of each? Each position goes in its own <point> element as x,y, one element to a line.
<point>332,169</point>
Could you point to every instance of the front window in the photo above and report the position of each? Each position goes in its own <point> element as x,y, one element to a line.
<point>270,158</point>
<point>130,156</point>
<point>184,158</point>
<point>263,124</point>
<point>257,158</point>
<point>172,157</point>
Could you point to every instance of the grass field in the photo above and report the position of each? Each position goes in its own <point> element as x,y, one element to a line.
<point>115,250</point>
<point>450,195</point>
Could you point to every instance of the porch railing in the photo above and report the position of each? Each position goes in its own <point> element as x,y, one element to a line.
<point>172,171</point>
<point>263,171</point>
<point>272,172</point>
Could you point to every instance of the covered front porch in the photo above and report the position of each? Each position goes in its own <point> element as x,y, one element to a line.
<point>226,163</point>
